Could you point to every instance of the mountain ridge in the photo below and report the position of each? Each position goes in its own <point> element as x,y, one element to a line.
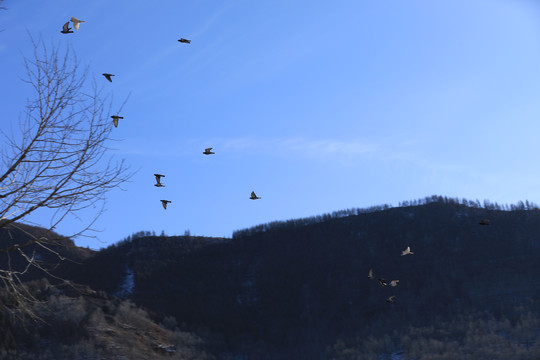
<point>295,288</point>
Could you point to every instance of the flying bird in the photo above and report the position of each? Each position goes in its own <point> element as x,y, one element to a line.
<point>108,76</point>
<point>164,203</point>
<point>382,282</point>
<point>186,41</point>
<point>208,152</point>
<point>253,196</point>
<point>484,222</point>
<point>158,180</point>
<point>391,300</point>
<point>393,283</point>
<point>66,29</point>
<point>370,274</point>
<point>76,22</point>
<point>115,119</point>
<point>407,251</point>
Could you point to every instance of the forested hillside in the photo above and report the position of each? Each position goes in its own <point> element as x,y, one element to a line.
<point>297,286</point>
<point>300,288</point>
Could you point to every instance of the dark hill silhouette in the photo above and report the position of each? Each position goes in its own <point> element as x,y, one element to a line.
<point>55,252</point>
<point>291,289</point>
<point>301,284</point>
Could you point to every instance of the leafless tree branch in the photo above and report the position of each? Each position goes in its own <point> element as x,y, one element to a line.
<point>58,161</point>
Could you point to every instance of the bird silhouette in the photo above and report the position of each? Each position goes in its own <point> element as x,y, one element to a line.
<point>370,274</point>
<point>76,22</point>
<point>185,41</point>
<point>66,29</point>
<point>484,222</point>
<point>115,119</point>
<point>253,196</point>
<point>407,251</point>
<point>208,152</point>
<point>108,76</point>
<point>393,283</point>
<point>164,203</point>
<point>391,299</point>
<point>382,282</point>
<point>158,180</point>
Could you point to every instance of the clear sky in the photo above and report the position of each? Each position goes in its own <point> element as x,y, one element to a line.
<point>315,105</point>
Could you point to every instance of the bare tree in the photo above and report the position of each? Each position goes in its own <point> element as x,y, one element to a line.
<point>57,162</point>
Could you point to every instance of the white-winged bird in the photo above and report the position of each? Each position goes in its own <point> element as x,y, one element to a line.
<point>66,29</point>
<point>391,299</point>
<point>370,274</point>
<point>484,222</point>
<point>76,22</point>
<point>164,203</point>
<point>185,41</point>
<point>115,119</point>
<point>393,283</point>
<point>158,180</point>
<point>208,152</point>
<point>253,196</point>
<point>407,251</point>
<point>108,76</point>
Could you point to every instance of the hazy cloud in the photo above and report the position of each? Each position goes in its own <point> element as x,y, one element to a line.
<point>405,153</point>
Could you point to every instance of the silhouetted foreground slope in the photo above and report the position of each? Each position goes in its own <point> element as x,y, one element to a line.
<point>299,289</point>
<point>79,323</point>
<point>59,246</point>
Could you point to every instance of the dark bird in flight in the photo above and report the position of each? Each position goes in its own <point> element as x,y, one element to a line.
<point>66,29</point>
<point>208,152</point>
<point>164,203</point>
<point>186,41</point>
<point>108,76</point>
<point>391,300</point>
<point>253,196</point>
<point>158,180</point>
<point>115,119</point>
<point>382,282</point>
<point>76,22</point>
<point>484,222</point>
<point>370,274</point>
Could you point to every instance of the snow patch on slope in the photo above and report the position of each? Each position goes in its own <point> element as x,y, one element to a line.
<point>128,284</point>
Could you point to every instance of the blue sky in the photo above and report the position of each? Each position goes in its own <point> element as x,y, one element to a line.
<point>316,106</point>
